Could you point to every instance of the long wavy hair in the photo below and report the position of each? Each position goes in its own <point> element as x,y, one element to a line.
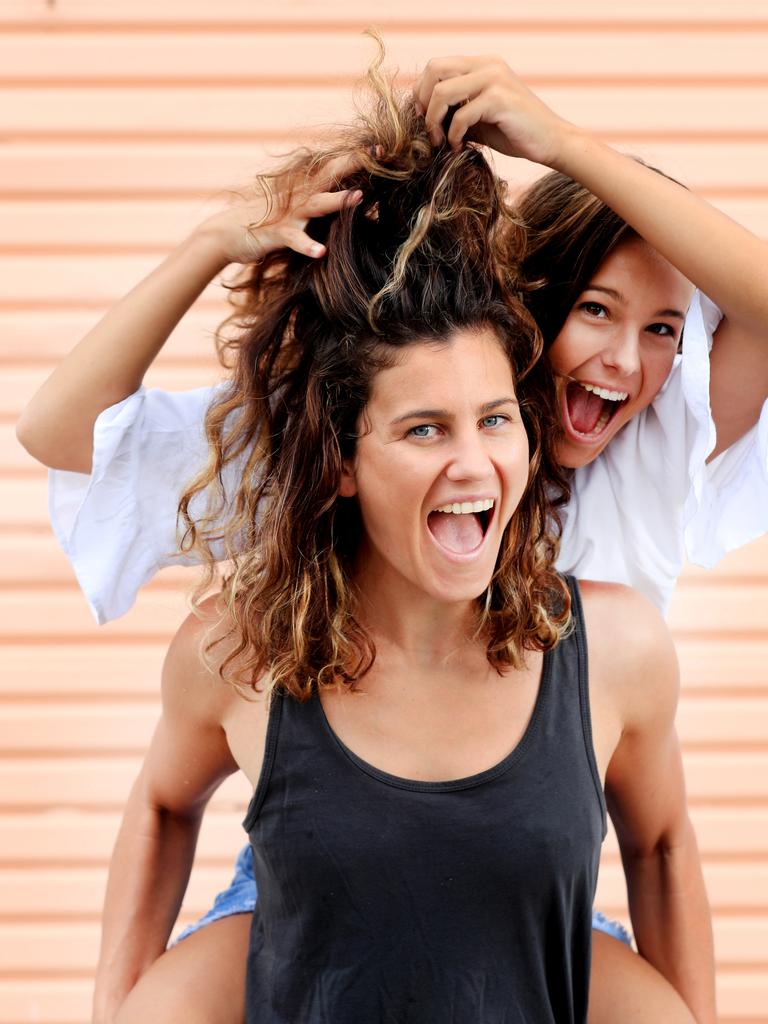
<point>432,248</point>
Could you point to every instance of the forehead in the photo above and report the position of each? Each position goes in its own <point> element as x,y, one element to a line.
<point>642,274</point>
<point>465,367</point>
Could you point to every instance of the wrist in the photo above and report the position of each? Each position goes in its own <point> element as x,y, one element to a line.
<point>208,243</point>
<point>575,148</point>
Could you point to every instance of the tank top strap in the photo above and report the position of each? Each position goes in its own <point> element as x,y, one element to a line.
<point>270,752</point>
<point>570,671</point>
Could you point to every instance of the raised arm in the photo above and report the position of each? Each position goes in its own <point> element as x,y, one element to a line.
<point>633,659</point>
<point>109,363</point>
<point>187,759</point>
<point>723,259</point>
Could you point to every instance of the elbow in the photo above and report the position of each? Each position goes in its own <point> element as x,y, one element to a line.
<point>32,437</point>
<point>672,859</point>
<point>674,841</point>
<point>25,435</point>
<point>51,451</point>
<point>150,811</point>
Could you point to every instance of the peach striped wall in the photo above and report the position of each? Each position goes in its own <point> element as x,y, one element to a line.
<point>118,120</point>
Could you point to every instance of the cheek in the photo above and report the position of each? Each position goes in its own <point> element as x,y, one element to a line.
<point>657,366</point>
<point>388,490</point>
<point>516,470</point>
<point>572,347</point>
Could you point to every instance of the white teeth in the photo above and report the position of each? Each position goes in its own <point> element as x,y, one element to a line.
<point>462,508</point>
<point>611,396</point>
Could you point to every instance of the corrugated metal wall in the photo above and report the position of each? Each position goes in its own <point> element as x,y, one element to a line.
<point>117,122</point>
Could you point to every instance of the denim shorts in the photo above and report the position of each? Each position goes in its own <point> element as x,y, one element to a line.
<point>240,898</point>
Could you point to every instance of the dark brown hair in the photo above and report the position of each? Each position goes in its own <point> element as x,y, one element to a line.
<point>569,234</point>
<point>430,249</point>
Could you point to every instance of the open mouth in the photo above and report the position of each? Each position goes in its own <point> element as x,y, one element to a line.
<point>589,410</point>
<point>461,527</point>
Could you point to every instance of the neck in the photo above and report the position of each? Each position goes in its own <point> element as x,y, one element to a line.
<point>427,632</point>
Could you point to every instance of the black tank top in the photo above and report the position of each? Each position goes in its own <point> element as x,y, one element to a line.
<point>383,899</point>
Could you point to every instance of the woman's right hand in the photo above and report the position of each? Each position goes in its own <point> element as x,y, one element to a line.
<point>250,229</point>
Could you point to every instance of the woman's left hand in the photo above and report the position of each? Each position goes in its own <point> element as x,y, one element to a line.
<point>494,108</point>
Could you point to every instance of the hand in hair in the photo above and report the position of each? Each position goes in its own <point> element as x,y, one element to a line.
<point>494,108</point>
<point>251,228</point>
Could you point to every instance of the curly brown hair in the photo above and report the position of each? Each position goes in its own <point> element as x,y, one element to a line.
<point>431,248</point>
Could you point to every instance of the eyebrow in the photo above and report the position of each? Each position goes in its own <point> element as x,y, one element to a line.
<point>444,414</point>
<point>620,298</point>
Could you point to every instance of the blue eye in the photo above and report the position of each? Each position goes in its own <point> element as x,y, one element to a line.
<point>421,430</point>
<point>493,421</point>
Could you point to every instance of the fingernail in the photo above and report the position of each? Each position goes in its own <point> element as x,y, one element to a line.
<point>317,249</point>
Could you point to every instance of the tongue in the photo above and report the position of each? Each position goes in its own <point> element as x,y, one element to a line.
<point>584,408</point>
<point>460,534</point>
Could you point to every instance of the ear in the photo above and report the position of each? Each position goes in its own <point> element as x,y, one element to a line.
<point>348,485</point>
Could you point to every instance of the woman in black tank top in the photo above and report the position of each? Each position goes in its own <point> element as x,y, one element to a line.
<point>409,691</point>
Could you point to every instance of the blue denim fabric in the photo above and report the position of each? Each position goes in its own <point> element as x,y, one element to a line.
<point>601,923</point>
<point>240,898</point>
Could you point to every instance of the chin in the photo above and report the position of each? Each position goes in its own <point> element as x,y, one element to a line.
<point>455,592</point>
<point>571,457</point>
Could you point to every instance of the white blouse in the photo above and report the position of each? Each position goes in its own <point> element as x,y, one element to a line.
<point>636,512</point>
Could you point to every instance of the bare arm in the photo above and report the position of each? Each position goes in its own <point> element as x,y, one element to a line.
<point>187,759</point>
<point>723,259</point>
<point>148,876</point>
<point>645,792</point>
<point>109,363</point>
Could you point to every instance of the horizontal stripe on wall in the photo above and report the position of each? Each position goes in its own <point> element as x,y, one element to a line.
<point>264,54</point>
<point>174,111</point>
<point>336,14</point>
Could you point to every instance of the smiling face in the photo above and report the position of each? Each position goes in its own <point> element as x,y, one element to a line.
<point>616,347</point>
<point>440,467</point>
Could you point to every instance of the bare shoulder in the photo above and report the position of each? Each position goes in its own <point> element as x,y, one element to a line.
<point>196,698</point>
<point>623,608</point>
<point>631,655</point>
<point>191,672</point>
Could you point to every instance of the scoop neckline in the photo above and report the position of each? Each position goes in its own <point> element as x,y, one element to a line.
<point>444,786</point>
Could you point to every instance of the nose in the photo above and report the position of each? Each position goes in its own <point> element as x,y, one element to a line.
<point>469,459</point>
<point>622,352</point>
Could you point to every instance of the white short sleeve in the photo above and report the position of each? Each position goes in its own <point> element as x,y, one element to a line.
<point>117,525</point>
<point>733,508</point>
<point>730,508</point>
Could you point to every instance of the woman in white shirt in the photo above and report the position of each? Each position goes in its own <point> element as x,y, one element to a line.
<point>636,416</point>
